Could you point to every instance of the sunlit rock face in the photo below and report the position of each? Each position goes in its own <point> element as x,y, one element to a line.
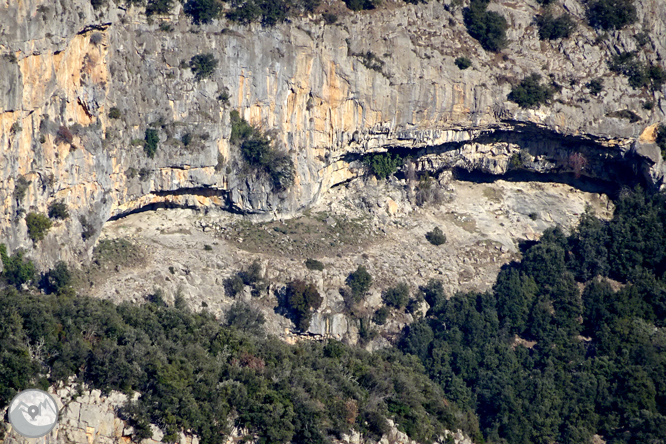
<point>315,91</point>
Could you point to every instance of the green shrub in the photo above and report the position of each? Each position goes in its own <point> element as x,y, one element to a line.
<point>38,225</point>
<point>97,4</point>
<point>87,228</point>
<point>552,28</point>
<point>21,187</point>
<point>648,105</point>
<point>381,315</point>
<point>661,139</point>
<point>245,318</point>
<point>114,113</point>
<point>359,5</point>
<point>203,11</point>
<point>628,114</point>
<point>611,14</point>
<point>208,247</point>
<point>359,282</point>
<point>530,93</point>
<point>397,296</point>
<point>436,236</point>
<point>203,65</point>
<point>595,86</point>
<point>313,264</point>
<point>639,74</point>
<point>58,210</point>
<point>151,140</point>
<point>186,139</point>
<point>329,18</point>
<point>233,285</point>
<point>383,165</point>
<point>58,280</point>
<point>144,174</point>
<point>533,216</point>
<point>159,7</point>
<point>259,154</point>
<point>16,270</point>
<point>166,27</point>
<point>488,27</point>
<point>302,299</point>
<point>463,62</point>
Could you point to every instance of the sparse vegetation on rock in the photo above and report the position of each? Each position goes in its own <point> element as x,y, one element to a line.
<point>313,264</point>
<point>21,187</point>
<point>530,93</point>
<point>611,14</point>
<point>159,7</point>
<point>114,113</point>
<point>359,282</point>
<point>639,74</point>
<point>203,65</point>
<point>38,225</point>
<point>488,27</point>
<point>397,296</point>
<point>203,11</point>
<point>358,5</point>
<point>552,28</point>
<point>595,86</point>
<point>436,236</point>
<point>151,141</point>
<point>58,210</point>
<point>463,63</point>
<point>259,153</point>
<point>302,299</point>
<point>383,165</point>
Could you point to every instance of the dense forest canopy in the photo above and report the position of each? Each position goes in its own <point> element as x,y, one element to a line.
<point>195,374</point>
<point>540,361</point>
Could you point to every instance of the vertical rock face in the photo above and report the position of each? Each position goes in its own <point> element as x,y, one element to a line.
<point>325,94</point>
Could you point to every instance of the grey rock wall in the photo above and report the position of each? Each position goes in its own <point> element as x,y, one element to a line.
<point>309,86</point>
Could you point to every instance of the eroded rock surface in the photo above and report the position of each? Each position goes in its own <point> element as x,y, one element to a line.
<point>308,85</point>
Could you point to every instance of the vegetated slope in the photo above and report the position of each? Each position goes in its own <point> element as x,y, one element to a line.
<point>195,375</point>
<point>595,362</point>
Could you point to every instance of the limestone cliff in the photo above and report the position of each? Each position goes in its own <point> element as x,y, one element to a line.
<point>311,87</point>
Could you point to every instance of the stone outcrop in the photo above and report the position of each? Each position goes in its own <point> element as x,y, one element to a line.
<point>307,84</point>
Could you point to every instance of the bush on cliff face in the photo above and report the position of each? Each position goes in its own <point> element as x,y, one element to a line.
<point>383,165</point>
<point>160,7</point>
<point>58,210</point>
<point>268,12</point>
<point>611,14</point>
<point>203,65</point>
<point>530,93</point>
<point>258,152</point>
<point>359,5</point>
<point>203,11</point>
<point>152,139</point>
<point>488,27</point>
<point>38,225</point>
<point>359,282</point>
<point>639,74</point>
<point>302,299</point>
<point>552,28</point>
